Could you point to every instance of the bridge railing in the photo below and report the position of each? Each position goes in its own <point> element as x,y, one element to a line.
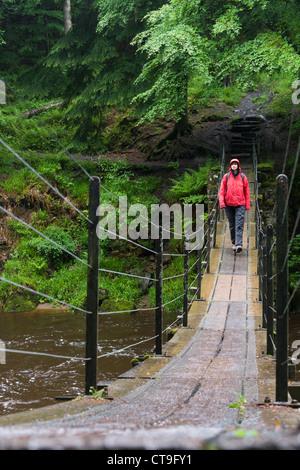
<point>273,247</point>
<point>200,263</point>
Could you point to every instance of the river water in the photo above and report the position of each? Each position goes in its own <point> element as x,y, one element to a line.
<point>29,381</point>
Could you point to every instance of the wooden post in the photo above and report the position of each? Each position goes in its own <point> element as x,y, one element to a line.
<point>282,290</point>
<point>208,243</point>
<point>264,282</point>
<point>216,225</point>
<point>159,290</point>
<point>270,293</point>
<point>259,264</point>
<point>185,284</point>
<point>92,288</point>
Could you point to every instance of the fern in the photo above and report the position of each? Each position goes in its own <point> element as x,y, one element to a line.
<point>191,183</point>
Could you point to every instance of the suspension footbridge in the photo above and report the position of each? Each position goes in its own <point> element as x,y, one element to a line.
<point>220,372</point>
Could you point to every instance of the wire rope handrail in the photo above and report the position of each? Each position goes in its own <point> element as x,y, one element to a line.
<point>277,346</point>
<point>43,179</point>
<point>127,274</point>
<point>3,279</point>
<point>36,353</point>
<point>42,235</point>
<point>212,219</point>
<point>128,240</point>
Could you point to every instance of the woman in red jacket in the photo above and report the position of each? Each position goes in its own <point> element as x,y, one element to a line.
<point>234,197</point>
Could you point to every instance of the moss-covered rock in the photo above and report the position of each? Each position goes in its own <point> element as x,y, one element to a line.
<point>110,305</point>
<point>23,302</point>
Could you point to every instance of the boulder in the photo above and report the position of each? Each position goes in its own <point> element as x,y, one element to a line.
<point>23,302</point>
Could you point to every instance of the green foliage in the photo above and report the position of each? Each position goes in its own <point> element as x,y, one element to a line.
<point>50,252</point>
<point>61,284</point>
<point>267,52</point>
<point>185,52</point>
<point>18,181</point>
<point>175,51</point>
<point>38,263</point>
<point>24,133</point>
<point>118,177</point>
<point>294,262</point>
<point>190,187</point>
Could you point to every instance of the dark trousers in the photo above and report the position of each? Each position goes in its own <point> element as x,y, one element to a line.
<point>236,217</point>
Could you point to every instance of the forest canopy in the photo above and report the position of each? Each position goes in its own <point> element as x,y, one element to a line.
<point>143,56</point>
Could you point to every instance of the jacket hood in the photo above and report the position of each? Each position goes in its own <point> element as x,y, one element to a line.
<point>234,160</point>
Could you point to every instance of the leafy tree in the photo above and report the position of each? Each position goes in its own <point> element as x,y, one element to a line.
<point>174,52</point>
<point>217,41</point>
<point>95,65</point>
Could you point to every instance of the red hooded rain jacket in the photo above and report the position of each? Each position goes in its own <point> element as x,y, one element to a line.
<point>235,191</point>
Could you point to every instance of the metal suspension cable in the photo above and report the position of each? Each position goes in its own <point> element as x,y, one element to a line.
<point>173,254</point>
<point>135,344</point>
<point>42,235</point>
<point>193,282</point>
<point>292,238</point>
<point>126,347</point>
<point>126,274</point>
<point>42,295</point>
<point>197,247</point>
<point>173,300</point>
<point>194,296</point>
<point>292,180</point>
<point>35,353</point>
<point>149,220</point>
<point>128,240</point>
<point>173,277</point>
<point>194,264</point>
<point>141,215</point>
<point>42,178</point>
<point>128,311</point>
<point>290,299</point>
<point>289,138</point>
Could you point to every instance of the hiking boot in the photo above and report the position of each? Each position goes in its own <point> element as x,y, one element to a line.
<point>234,247</point>
<point>239,249</point>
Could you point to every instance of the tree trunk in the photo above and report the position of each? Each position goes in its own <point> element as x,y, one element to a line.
<point>172,145</point>
<point>67,16</point>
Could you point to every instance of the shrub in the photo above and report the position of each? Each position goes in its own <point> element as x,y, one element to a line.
<point>49,251</point>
